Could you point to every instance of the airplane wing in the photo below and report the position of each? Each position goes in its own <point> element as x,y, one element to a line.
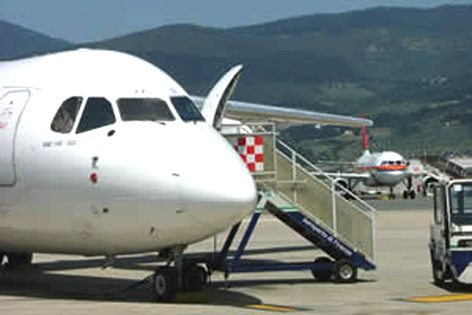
<point>246,111</point>
<point>348,175</point>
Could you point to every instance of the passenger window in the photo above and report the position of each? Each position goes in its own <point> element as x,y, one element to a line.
<point>64,119</point>
<point>98,112</point>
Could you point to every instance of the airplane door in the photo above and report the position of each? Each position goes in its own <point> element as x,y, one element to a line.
<point>11,106</point>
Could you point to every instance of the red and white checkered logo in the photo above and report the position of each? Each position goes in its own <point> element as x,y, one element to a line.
<point>251,150</point>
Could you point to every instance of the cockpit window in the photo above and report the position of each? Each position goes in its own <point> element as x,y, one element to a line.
<point>98,112</point>
<point>152,109</point>
<point>64,119</point>
<point>186,109</point>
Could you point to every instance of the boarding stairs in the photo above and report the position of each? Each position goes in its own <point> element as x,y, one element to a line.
<point>321,211</point>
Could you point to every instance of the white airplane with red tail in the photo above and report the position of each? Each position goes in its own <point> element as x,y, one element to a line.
<point>384,169</point>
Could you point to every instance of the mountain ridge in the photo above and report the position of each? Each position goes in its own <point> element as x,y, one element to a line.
<point>391,63</point>
<point>18,41</point>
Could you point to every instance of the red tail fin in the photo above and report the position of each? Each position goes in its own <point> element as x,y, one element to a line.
<point>365,137</point>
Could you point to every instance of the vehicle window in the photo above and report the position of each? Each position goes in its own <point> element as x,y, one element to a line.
<point>461,203</point>
<point>438,204</point>
<point>64,119</point>
<point>97,113</point>
<point>187,109</point>
<point>152,109</point>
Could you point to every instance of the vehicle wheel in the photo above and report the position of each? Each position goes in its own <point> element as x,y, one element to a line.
<point>19,259</point>
<point>438,275</point>
<point>344,271</point>
<point>412,194</point>
<point>165,284</point>
<point>195,278</point>
<point>405,194</point>
<point>322,275</point>
<point>455,285</point>
<point>2,256</point>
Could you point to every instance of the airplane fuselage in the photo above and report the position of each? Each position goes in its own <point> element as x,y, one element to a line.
<point>127,186</point>
<point>385,168</point>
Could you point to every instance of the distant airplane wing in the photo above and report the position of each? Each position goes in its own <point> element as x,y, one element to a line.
<point>346,175</point>
<point>245,112</point>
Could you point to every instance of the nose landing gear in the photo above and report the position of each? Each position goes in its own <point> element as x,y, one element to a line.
<point>182,276</point>
<point>410,191</point>
<point>164,284</point>
<point>409,194</point>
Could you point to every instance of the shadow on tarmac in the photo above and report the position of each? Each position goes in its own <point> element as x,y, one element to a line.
<point>455,287</point>
<point>47,280</point>
<point>149,262</point>
<point>33,283</point>
<point>285,281</point>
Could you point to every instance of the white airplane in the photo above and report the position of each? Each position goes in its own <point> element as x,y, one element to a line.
<point>386,168</point>
<point>102,153</point>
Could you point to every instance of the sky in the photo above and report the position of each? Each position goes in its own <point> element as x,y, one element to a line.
<point>91,20</point>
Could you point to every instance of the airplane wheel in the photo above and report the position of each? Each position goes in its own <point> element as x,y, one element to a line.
<point>19,259</point>
<point>344,271</point>
<point>405,194</point>
<point>322,275</point>
<point>412,194</point>
<point>2,256</point>
<point>164,284</point>
<point>195,278</point>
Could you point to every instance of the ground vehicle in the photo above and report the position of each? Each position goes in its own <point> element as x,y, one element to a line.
<point>451,232</point>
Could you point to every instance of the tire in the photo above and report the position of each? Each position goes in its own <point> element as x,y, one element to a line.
<point>344,271</point>
<point>438,275</point>
<point>164,284</point>
<point>405,194</point>
<point>322,275</point>
<point>412,194</point>
<point>2,256</point>
<point>195,278</point>
<point>19,259</point>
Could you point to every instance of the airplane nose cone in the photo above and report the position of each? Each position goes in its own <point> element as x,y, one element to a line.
<point>218,189</point>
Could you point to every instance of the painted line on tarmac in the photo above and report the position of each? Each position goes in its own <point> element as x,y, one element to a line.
<point>272,308</point>
<point>440,298</point>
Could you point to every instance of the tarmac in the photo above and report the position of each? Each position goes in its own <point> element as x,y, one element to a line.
<point>402,284</point>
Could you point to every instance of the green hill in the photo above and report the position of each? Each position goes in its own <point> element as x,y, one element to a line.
<point>408,69</point>
<point>17,42</point>
<point>393,64</point>
<point>360,61</point>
